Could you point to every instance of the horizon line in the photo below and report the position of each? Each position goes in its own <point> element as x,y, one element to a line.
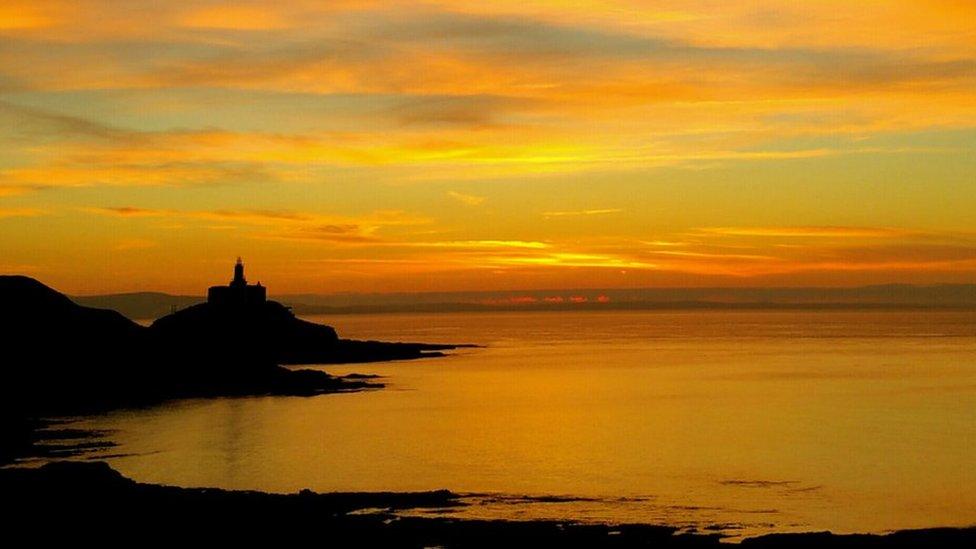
<point>568,289</point>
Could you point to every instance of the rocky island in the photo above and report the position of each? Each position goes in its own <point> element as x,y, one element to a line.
<point>63,357</point>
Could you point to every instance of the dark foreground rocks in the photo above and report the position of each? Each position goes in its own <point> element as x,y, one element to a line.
<point>86,503</point>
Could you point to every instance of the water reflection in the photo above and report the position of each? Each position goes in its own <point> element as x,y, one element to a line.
<point>843,421</point>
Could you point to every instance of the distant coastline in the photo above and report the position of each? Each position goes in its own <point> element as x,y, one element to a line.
<point>953,297</point>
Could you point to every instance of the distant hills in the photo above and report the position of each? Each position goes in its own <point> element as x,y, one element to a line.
<point>151,305</point>
<point>140,305</point>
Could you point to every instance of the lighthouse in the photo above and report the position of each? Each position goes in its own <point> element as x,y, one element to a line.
<point>239,280</point>
<point>238,293</point>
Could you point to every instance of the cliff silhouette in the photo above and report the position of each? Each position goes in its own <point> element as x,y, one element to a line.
<point>61,356</point>
<point>269,330</point>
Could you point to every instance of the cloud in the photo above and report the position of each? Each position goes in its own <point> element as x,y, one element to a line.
<point>133,244</point>
<point>128,211</point>
<point>266,224</point>
<point>266,216</point>
<point>719,256</point>
<point>809,232</point>
<point>22,17</point>
<point>664,243</point>
<point>336,234</point>
<point>481,244</point>
<point>470,111</point>
<point>21,212</point>
<point>467,199</point>
<point>256,216</point>
<point>574,260</point>
<point>173,174</point>
<point>582,213</point>
<point>242,17</point>
<point>29,122</point>
<point>14,190</point>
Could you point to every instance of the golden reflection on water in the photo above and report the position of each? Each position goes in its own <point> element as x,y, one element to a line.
<point>778,421</point>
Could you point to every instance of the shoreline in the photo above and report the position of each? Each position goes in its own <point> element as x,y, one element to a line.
<point>69,493</point>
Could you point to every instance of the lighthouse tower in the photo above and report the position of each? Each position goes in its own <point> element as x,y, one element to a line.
<point>239,280</point>
<point>238,293</point>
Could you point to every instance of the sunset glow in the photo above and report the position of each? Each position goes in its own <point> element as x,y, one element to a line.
<point>411,146</point>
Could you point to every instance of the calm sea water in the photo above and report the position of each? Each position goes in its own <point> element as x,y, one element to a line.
<point>742,421</point>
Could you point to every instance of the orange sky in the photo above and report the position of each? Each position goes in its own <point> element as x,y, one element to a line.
<point>396,145</point>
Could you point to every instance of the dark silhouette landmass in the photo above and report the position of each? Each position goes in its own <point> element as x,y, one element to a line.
<point>271,329</point>
<point>91,502</point>
<point>59,356</point>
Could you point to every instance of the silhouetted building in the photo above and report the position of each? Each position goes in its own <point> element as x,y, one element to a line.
<point>238,292</point>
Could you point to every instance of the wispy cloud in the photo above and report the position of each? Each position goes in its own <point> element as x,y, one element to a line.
<point>282,224</point>
<point>481,244</point>
<point>256,216</point>
<point>128,211</point>
<point>467,199</point>
<point>719,256</point>
<point>231,17</point>
<point>574,260</point>
<point>264,216</point>
<point>21,212</point>
<point>133,244</point>
<point>177,174</point>
<point>582,213</point>
<point>809,232</point>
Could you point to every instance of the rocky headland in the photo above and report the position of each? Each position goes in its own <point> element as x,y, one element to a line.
<point>60,357</point>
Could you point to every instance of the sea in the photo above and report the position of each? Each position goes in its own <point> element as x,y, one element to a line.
<point>733,422</point>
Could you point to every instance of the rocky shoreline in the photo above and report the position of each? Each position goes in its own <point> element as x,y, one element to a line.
<point>91,502</point>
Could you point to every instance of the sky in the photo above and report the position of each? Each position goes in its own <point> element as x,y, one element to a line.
<point>380,146</point>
